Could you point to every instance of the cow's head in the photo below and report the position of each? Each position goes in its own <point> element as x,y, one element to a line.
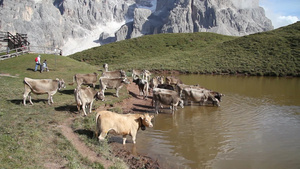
<point>146,121</point>
<point>181,103</point>
<point>99,95</point>
<point>61,84</point>
<point>126,81</point>
<point>123,73</point>
<point>218,96</point>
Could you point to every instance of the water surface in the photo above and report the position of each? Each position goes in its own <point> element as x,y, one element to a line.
<point>256,126</point>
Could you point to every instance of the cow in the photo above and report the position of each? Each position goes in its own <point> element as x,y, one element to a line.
<point>87,79</point>
<point>155,81</point>
<point>42,86</point>
<point>171,80</point>
<point>180,87</point>
<point>114,74</point>
<point>112,83</point>
<point>200,96</point>
<point>167,97</point>
<point>105,66</point>
<point>143,86</point>
<point>85,96</point>
<point>121,124</point>
<point>144,74</point>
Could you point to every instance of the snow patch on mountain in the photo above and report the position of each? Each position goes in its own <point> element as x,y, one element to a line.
<point>91,39</point>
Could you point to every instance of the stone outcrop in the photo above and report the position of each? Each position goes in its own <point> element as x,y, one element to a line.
<point>59,23</point>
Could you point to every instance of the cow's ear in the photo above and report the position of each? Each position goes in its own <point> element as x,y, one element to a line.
<point>151,116</point>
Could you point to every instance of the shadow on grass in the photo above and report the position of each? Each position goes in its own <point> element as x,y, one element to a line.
<point>71,109</point>
<point>20,101</point>
<point>90,134</point>
<point>30,69</point>
<point>69,92</point>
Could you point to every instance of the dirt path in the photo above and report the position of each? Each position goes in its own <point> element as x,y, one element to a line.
<point>135,104</point>
<point>85,151</point>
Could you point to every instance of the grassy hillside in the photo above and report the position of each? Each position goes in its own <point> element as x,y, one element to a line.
<point>274,53</point>
<point>30,136</point>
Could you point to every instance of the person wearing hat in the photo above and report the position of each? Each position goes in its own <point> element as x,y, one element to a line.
<point>37,62</point>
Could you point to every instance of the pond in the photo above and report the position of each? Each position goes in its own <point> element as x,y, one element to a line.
<point>256,126</point>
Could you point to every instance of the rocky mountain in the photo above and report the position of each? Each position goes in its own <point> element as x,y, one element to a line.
<point>75,25</point>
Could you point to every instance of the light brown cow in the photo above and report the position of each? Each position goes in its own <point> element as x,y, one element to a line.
<point>166,97</point>
<point>85,96</point>
<point>155,81</point>
<point>112,83</point>
<point>171,80</point>
<point>114,74</point>
<point>200,96</point>
<point>143,74</point>
<point>121,124</point>
<point>41,86</point>
<point>87,79</point>
<point>105,66</point>
<point>180,87</point>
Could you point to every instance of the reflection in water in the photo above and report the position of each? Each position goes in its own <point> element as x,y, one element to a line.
<point>257,126</point>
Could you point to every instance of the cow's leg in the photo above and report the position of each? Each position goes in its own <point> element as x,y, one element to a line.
<point>91,105</point>
<point>117,92</point>
<point>29,97</point>
<point>50,99</point>
<point>25,97</point>
<point>102,92</point>
<point>124,139</point>
<point>133,138</point>
<point>102,135</point>
<point>83,108</point>
<point>156,106</point>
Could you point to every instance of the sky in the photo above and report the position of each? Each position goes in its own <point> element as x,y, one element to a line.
<point>281,12</point>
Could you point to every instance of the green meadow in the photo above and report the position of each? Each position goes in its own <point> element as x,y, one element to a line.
<point>272,53</point>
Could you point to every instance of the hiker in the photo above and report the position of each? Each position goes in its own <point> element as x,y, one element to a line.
<point>37,63</point>
<point>44,66</point>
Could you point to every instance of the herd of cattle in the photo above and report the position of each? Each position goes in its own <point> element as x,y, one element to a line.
<point>172,93</point>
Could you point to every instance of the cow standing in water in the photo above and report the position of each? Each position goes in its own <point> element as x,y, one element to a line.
<point>121,124</point>
<point>42,86</point>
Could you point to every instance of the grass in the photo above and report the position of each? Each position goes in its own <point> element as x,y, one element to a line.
<point>29,135</point>
<point>272,53</point>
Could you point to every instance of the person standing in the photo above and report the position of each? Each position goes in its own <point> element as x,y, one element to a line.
<point>37,63</point>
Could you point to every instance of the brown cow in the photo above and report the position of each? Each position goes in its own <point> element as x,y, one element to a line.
<point>166,97</point>
<point>85,96</point>
<point>155,81</point>
<point>144,74</point>
<point>105,66</point>
<point>114,74</point>
<point>171,80</point>
<point>180,87</point>
<point>200,96</point>
<point>121,124</point>
<point>87,79</point>
<point>42,86</point>
<point>112,83</point>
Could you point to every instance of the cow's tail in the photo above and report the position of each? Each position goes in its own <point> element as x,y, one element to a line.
<point>74,77</point>
<point>28,84</point>
<point>98,122</point>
